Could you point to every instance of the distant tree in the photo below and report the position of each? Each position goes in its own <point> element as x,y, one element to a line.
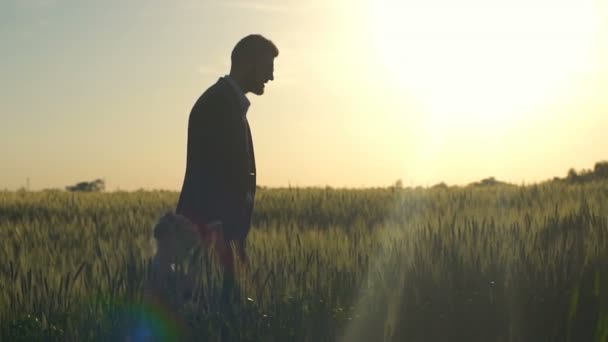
<point>441,185</point>
<point>490,181</point>
<point>601,169</point>
<point>398,184</point>
<point>572,175</point>
<point>94,186</point>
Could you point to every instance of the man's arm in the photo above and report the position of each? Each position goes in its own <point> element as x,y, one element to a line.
<point>215,134</point>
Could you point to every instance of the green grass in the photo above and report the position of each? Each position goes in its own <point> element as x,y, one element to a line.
<point>494,263</point>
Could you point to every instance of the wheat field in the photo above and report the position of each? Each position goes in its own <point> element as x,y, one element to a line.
<point>484,263</point>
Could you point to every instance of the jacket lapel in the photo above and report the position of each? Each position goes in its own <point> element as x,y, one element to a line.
<point>237,110</point>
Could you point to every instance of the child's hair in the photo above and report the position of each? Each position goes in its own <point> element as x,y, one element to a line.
<point>177,231</point>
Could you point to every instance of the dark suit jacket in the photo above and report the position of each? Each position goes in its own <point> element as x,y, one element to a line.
<point>220,168</point>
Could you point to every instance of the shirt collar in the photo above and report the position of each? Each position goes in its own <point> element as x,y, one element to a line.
<point>243,100</point>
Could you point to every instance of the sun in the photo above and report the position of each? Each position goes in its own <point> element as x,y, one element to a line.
<point>479,60</point>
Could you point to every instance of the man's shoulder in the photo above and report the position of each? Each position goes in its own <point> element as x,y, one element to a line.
<point>220,87</point>
<point>214,97</point>
<point>216,91</point>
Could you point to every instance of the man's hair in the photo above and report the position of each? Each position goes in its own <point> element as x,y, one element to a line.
<point>252,47</point>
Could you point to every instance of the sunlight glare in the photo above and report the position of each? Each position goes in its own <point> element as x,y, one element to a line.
<point>480,60</point>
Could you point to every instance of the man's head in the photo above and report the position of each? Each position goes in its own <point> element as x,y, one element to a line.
<point>253,63</point>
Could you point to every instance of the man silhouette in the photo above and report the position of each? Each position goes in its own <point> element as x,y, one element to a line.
<point>220,178</point>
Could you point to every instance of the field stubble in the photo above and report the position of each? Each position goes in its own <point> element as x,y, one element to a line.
<point>495,263</point>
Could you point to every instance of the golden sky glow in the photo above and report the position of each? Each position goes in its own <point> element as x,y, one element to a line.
<point>365,92</point>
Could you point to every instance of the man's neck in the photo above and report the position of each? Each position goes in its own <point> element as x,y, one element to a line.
<point>238,90</point>
<point>239,81</point>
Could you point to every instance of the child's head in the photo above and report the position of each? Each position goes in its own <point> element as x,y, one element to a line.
<point>175,236</point>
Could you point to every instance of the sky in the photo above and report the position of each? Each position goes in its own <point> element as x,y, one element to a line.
<point>365,92</point>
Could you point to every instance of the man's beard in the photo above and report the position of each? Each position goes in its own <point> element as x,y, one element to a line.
<point>258,89</point>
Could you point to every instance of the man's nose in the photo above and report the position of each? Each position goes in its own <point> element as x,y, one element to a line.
<point>271,78</point>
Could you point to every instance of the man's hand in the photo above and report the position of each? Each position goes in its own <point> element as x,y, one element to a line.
<point>215,226</point>
<point>249,198</point>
